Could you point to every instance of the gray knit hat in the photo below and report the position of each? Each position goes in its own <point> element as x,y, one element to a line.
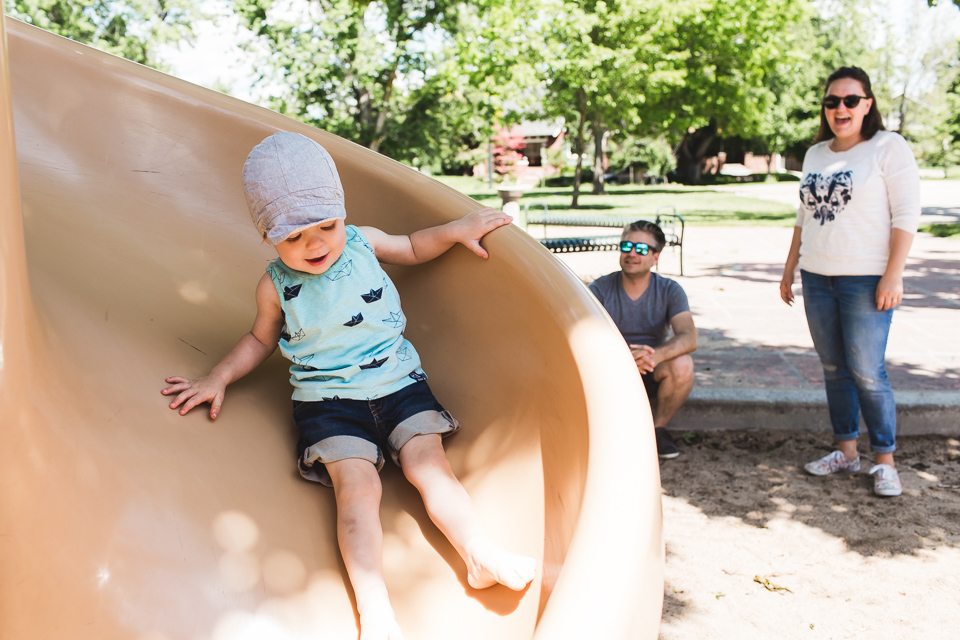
<point>291,183</point>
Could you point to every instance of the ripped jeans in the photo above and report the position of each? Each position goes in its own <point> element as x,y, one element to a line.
<point>850,336</point>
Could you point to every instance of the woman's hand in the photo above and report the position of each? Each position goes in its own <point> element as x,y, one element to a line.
<point>790,267</point>
<point>890,287</point>
<point>786,288</point>
<point>889,292</point>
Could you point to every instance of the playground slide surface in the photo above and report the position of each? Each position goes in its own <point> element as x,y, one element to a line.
<point>128,256</point>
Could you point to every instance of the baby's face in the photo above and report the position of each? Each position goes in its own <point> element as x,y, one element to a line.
<point>316,248</point>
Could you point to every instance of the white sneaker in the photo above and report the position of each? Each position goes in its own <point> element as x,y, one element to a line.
<point>886,480</point>
<point>833,463</point>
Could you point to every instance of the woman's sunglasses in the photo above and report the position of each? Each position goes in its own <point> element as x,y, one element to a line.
<point>850,102</point>
<point>640,247</point>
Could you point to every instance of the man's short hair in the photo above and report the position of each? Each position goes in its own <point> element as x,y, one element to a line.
<point>647,227</point>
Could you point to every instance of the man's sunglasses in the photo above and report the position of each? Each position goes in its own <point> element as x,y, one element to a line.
<point>851,102</point>
<point>640,247</point>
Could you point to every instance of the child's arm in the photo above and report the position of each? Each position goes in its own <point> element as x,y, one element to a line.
<point>250,351</point>
<point>426,244</point>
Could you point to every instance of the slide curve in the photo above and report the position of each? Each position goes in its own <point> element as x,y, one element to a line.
<point>128,255</point>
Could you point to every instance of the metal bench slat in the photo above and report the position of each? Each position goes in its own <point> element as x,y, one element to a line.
<point>572,245</point>
<point>579,221</point>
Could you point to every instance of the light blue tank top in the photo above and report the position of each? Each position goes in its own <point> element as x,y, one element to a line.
<point>343,329</point>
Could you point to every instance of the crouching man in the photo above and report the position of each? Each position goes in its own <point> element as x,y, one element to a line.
<point>645,306</point>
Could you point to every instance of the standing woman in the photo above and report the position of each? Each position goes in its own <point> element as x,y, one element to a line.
<point>860,210</point>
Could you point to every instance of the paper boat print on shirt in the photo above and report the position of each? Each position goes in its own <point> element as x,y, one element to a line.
<point>395,320</point>
<point>374,364</point>
<point>303,360</point>
<point>342,272</point>
<point>373,296</point>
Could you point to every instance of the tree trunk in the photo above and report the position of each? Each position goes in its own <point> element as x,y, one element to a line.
<point>903,110</point>
<point>692,150</point>
<point>577,176</point>
<point>581,143</point>
<point>365,115</point>
<point>600,134</point>
<point>381,121</point>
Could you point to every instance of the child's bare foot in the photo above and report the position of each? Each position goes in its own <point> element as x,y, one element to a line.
<point>488,564</point>
<point>378,623</point>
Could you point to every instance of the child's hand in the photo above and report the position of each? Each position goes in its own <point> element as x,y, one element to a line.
<point>473,226</point>
<point>209,388</point>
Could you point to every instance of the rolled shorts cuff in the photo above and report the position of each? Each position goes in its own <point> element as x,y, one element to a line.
<point>423,423</point>
<point>333,449</point>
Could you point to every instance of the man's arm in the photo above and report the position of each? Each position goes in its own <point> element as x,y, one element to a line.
<point>250,351</point>
<point>426,244</point>
<point>684,341</point>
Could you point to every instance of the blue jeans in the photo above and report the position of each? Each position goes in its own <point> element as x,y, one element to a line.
<point>850,336</point>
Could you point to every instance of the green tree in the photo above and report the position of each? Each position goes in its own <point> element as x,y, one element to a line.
<point>795,82</point>
<point>377,72</point>
<point>488,58</point>
<point>905,46</point>
<point>728,53</point>
<point>915,64</point>
<point>838,33</point>
<point>595,60</point>
<point>132,29</point>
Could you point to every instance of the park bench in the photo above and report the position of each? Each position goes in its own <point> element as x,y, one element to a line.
<point>667,218</point>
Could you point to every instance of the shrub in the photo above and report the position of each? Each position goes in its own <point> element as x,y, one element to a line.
<point>941,229</point>
<point>586,177</point>
<point>653,155</point>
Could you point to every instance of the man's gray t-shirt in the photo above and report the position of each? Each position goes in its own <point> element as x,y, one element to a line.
<point>647,319</point>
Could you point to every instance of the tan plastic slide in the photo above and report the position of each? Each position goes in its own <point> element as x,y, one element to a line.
<point>128,256</point>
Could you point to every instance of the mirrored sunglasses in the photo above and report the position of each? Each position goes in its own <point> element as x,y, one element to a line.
<point>640,247</point>
<point>850,102</point>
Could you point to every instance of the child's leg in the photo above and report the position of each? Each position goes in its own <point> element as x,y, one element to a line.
<point>425,465</point>
<point>356,484</point>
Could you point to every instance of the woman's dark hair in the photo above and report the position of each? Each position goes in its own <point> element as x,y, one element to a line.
<point>872,122</point>
<point>647,227</point>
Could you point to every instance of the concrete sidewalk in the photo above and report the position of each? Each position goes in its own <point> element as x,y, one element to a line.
<point>756,366</point>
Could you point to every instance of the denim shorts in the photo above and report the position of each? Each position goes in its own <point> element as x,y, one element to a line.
<point>334,430</point>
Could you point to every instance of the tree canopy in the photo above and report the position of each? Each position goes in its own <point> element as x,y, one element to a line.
<point>377,72</point>
<point>132,29</point>
<point>591,65</point>
<point>427,81</point>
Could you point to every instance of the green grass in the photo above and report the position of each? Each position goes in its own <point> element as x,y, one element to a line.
<point>951,172</point>
<point>698,205</point>
<point>941,229</point>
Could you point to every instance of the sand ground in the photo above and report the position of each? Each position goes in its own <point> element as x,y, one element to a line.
<point>756,548</point>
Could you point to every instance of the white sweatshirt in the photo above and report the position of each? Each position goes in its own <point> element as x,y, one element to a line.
<point>850,200</point>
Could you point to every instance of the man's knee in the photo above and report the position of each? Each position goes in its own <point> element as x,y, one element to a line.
<point>679,370</point>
